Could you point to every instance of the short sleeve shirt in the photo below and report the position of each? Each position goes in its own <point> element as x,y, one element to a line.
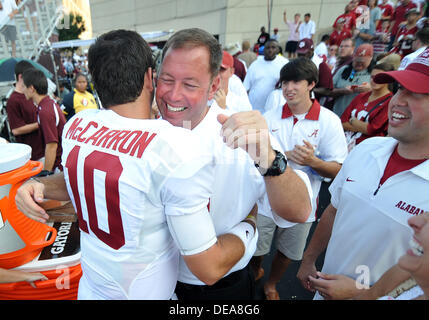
<point>51,122</point>
<point>377,120</point>
<point>21,112</point>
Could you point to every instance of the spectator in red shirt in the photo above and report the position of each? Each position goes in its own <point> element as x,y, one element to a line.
<point>349,19</point>
<point>386,12</point>
<point>340,33</point>
<point>22,115</point>
<point>50,117</point>
<point>399,16</point>
<point>366,116</point>
<point>403,44</point>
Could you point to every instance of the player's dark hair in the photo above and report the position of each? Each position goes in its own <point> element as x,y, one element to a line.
<point>193,38</point>
<point>118,62</point>
<point>299,69</point>
<point>37,79</point>
<point>21,66</point>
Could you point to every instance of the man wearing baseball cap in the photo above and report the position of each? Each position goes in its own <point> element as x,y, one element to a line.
<point>325,83</point>
<point>370,231</point>
<point>225,98</point>
<point>352,79</point>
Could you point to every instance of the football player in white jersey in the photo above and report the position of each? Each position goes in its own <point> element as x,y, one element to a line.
<point>136,184</point>
<point>189,68</point>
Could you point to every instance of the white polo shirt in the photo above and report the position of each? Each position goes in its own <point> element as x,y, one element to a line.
<point>319,126</point>
<point>370,232</point>
<point>237,187</point>
<point>307,30</point>
<point>261,79</point>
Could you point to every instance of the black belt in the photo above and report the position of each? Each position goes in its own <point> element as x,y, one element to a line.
<point>225,282</point>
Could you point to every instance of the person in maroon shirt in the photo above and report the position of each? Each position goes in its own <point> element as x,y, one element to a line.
<point>239,67</point>
<point>50,117</point>
<point>325,83</point>
<point>22,115</point>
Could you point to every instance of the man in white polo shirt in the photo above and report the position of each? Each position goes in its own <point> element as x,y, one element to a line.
<point>190,67</point>
<point>307,29</point>
<point>263,74</point>
<point>382,183</point>
<point>314,142</point>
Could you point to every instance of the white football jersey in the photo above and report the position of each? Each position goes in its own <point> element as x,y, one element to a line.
<point>124,176</point>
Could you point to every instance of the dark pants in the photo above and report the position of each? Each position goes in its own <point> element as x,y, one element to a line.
<point>239,285</point>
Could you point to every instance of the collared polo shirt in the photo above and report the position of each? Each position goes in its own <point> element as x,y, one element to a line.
<point>370,230</point>
<point>319,126</point>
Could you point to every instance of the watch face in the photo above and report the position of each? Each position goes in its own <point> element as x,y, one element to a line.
<point>282,165</point>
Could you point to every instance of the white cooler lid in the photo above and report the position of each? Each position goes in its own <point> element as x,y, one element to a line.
<point>13,156</point>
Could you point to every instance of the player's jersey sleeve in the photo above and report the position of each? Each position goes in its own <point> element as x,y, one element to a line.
<point>185,195</point>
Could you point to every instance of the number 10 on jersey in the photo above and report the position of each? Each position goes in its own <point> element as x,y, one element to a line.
<point>112,167</point>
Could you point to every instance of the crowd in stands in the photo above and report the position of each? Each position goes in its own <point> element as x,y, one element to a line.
<point>321,101</point>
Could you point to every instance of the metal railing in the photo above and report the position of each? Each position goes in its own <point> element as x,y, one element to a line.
<point>35,23</point>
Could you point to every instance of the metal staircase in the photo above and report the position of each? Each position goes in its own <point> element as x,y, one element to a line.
<point>29,41</point>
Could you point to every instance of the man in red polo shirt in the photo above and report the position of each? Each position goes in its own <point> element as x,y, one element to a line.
<point>51,119</point>
<point>22,115</point>
<point>340,33</point>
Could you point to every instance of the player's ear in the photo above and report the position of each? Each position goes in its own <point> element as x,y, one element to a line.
<point>149,80</point>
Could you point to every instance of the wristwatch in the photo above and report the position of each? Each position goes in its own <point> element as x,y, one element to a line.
<point>277,168</point>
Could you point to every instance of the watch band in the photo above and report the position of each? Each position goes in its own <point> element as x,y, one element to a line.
<point>278,166</point>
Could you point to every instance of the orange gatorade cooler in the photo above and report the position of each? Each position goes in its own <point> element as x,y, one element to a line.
<point>59,262</point>
<point>21,238</point>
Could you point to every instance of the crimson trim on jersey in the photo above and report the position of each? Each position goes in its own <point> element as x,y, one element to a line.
<point>312,114</point>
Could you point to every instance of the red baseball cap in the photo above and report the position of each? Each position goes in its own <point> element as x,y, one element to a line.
<point>364,50</point>
<point>415,77</point>
<point>227,60</point>
<point>305,45</point>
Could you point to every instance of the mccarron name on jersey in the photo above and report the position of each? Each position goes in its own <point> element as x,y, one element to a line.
<point>128,142</point>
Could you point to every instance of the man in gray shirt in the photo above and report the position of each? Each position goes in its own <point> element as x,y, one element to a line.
<point>352,79</point>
